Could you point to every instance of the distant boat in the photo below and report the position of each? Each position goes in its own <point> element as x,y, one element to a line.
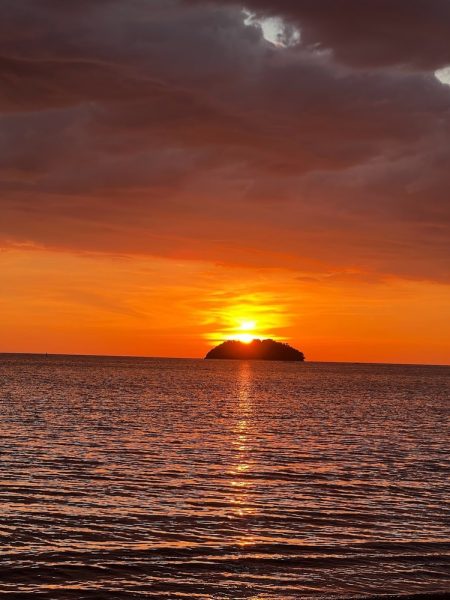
<point>255,350</point>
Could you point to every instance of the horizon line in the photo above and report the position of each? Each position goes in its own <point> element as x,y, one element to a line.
<point>142,356</point>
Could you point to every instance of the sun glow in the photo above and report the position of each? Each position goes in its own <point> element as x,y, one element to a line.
<point>245,338</point>
<point>246,332</point>
<point>245,317</point>
<point>248,325</point>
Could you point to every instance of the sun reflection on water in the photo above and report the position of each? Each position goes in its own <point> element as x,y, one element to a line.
<point>241,442</point>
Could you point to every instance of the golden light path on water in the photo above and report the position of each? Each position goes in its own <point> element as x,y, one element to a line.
<point>241,468</point>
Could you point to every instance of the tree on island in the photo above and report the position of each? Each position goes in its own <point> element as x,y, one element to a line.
<point>255,350</point>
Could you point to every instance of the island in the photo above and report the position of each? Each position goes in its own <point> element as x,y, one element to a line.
<point>255,350</point>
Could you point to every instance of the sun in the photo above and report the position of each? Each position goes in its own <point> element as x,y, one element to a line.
<point>246,331</point>
<point>245,318</point>
<point>245,338</point>
<point>247,325</point>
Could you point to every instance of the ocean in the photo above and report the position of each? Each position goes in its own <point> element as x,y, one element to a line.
<point>146,478</point>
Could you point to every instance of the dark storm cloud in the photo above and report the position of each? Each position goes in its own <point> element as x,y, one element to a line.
<point>415,33</point>
<point>173,128</point>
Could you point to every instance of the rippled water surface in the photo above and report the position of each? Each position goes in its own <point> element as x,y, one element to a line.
<point>130,478</point>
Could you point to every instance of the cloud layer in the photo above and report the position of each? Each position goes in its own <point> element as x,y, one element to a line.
<point>375,33</point>
<point>172,128</point>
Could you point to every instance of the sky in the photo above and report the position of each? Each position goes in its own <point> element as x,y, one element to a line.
<point>177,173</point>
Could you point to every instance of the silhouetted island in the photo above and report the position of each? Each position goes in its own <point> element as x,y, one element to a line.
<point>255,350</point>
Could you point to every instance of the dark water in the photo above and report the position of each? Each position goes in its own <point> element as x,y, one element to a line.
<point>127,478</point>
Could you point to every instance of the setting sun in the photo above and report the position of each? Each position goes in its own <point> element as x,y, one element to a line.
<point>246,338</point>
<point>248,325</point>
<point>246,333</point>
<point>245,317</point>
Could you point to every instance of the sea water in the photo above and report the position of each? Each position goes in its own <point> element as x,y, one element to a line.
<point>145,478</point>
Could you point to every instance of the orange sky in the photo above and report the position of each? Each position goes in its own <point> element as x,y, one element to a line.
<point>66,303</point>
<point>178,173</point>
